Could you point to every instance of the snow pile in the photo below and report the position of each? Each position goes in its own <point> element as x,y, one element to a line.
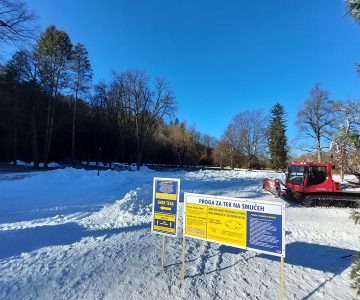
<point>58,188</point>
<point>134,209</point>
<point>211,175</point>
<point>350,183</point>
<point>352,178</point>
<point>145,168</point>
<point>31,164</point>
<point>19,163</point>
<point>53,165</point>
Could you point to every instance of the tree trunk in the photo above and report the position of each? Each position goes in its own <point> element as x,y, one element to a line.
<point>46,141</point>
<point>51,128</point>
<point>51,115</point>
<point>15,146</point>
<point>139,156</point>
<point>318,147</point>
<point>342,159</point>
<point>73,133</point>
<point>34,141</point>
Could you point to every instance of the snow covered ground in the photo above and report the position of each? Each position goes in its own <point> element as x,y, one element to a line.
<point>69,234</point>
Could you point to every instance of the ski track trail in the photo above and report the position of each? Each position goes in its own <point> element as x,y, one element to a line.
<point>104,249</point>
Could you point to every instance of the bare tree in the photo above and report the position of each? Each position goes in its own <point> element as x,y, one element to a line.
<point>146,106</point>
<point>249,134</point>
<point>230,144</point>
<point>208,141</point>
<point>316,118</point>
<point>342,143</point>
<point>16,22</point>
<point>99,102</point>
<point>182,143</point>
<point>223,154</point>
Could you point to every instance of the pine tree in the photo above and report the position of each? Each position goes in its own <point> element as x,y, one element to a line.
<point>277,138</point>
<point>355,139</point>
<point>353,8</point>
<point>81,81</point>
<point>52,54</point>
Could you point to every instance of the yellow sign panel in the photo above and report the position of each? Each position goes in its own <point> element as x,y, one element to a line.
<point>165,217</point>
<point>166,229</point>
<point>164,222</point>
<point>165,196</point>
<point>247,224</point>
<point>227,225</point>
<point>219,224</point>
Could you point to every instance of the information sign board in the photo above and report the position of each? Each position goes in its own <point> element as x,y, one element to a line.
<point>255,225</point>
<point>165,206</point>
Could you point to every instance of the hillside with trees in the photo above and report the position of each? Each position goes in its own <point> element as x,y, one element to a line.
<point>52,110</point>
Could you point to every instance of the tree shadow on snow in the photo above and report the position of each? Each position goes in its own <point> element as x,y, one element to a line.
<point>314,256</point>
<point>222,250</point>
<point>317,257</point>
<point>16,242</point>
<point>231,250</point>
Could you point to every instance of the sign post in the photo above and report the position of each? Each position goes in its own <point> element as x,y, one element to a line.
<point>182,273</point>
<point>166,193</point>
<point>282,278</point>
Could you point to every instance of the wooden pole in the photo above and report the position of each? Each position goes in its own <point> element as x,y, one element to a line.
<point>182,273</point>
<point>163,252</point>
<point>282,279</point>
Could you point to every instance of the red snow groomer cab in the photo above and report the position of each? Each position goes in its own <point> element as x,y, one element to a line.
<point>312,184</point>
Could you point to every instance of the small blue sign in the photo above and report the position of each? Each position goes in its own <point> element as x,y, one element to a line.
<point>165,203</point>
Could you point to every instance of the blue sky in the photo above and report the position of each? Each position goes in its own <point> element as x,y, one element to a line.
<point>220,57</point>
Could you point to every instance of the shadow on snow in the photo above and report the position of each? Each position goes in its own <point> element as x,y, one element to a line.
<point>313,256</point>
<point>16,242</point>
<point>317,257</point>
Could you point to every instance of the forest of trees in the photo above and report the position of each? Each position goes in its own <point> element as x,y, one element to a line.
<point>51,110</point>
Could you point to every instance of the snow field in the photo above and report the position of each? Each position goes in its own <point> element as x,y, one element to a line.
<point>69,234</point>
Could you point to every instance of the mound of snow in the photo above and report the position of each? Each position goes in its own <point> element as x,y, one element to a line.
<point>53,165</point>
<point>31,164</point>
<point>19,163</point>
<point>134,209</point>
<point>222,175</point>
<point>145,168</point>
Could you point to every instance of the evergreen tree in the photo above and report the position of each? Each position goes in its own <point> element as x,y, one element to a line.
<point>277,138</point>
<point>53,54</point>
<point>81,82</point>
<point>355,139</point>
<point>353,8</point>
